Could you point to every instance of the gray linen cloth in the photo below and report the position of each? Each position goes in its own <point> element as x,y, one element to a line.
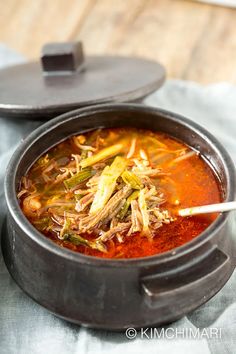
<point>26,327</point>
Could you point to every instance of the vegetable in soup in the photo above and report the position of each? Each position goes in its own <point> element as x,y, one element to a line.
<point>115,193</point>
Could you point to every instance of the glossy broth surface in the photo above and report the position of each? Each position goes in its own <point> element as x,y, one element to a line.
<point>168,175</point>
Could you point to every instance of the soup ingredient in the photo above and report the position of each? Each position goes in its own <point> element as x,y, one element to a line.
<point>116,193</point>
<point>132,179</point>
<point>107,183</point>
<point>79,240</point>
<point>102,155</point>
<point>78,178</point>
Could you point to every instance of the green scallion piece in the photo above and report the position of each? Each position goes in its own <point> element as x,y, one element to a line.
<point>107,183</point>
<point>101,155</point>
<point>128,201</point>
<point>78,178</point>
<point>79,240</point>
<point>131,179</point>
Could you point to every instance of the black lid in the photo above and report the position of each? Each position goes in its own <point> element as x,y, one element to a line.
<point>65,80</point>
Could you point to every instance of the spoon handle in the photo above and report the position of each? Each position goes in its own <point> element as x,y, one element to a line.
<point>206,209</point>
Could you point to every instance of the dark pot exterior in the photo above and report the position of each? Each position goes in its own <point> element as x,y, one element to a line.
<point>117,294</point>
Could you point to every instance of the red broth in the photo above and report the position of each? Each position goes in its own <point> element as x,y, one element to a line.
<point>169,176</point>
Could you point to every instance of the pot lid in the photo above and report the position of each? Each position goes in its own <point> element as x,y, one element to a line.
<point>65,79</point>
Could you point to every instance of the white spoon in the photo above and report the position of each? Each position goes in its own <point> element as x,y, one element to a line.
<point>206,209</point>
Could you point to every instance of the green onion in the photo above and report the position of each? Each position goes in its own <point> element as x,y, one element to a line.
<point>78,178</point>
<point>80,241</point>
<point>131,179</point>
<point>107,183</point>
<point>101,155</point>
<point>128,201</point>
<point>143,208</point>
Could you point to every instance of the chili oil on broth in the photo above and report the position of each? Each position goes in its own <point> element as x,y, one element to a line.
<point>55,202</point>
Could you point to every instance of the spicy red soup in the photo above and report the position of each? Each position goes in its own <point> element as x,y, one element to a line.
<point>115,193</point>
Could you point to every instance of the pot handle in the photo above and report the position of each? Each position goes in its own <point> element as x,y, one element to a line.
<point>209,272</point>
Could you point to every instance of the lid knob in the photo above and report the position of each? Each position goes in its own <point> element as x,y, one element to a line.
<point>62,58</point>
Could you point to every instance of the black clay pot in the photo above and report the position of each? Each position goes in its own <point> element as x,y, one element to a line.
<point>116,294</point>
